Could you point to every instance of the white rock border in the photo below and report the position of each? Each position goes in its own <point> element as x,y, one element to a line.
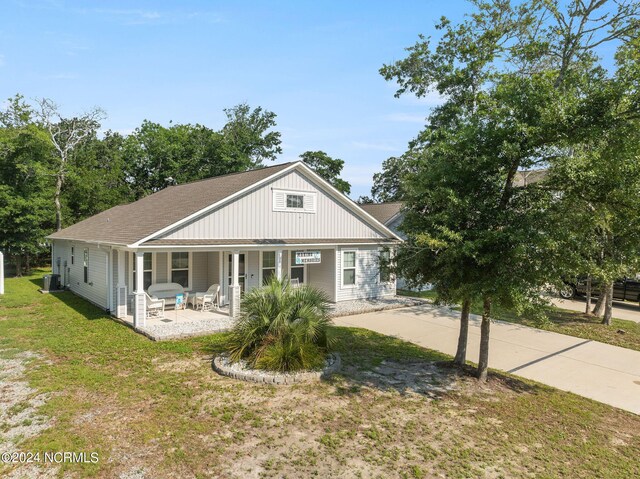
<point>239,370</point>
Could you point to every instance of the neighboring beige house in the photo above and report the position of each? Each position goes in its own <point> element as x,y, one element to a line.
<point>234,230</point>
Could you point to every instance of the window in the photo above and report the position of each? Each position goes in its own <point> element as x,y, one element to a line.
<point>147,270</point>
<point>85,264</point>
<point>72,255</point>
<point>268,266</point>
<point>297,270</point>
<point>348,268</point>
<point>180,269</point>
<point>295,201</point>
<point>384,260</point>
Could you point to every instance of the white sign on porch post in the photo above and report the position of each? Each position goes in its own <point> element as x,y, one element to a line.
<point>1,273</point>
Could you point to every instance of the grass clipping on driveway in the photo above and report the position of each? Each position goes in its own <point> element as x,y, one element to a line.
<point>158,410</point>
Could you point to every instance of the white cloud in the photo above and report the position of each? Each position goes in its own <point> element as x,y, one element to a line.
<point>137,16</point>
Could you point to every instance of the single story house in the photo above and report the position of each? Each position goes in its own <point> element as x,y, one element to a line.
<point>234,230</point>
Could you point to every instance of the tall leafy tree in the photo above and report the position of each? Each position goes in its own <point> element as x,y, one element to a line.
<point>26,211</point>
<point>328,168</point>
<point>249,138</point>
<point>514,79</point>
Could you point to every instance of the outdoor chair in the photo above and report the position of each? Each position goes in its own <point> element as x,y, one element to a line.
<point>294,282</point>
<point>154,307</point>
<point>207,300</point>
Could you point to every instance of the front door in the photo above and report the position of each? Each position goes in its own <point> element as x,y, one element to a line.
<point>241,272</point>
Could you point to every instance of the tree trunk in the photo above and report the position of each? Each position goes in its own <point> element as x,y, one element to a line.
<point>588,307</point>
<point>608,305</point>
<point>18,265</point>
<point>56,200</point>
<point>461,353</point>
<point>598,310</point>
<point>485,329</point>
<point>27,264</point>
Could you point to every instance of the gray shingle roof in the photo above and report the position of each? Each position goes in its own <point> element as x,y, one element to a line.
<point>127,224</point>
<point>383,212</point>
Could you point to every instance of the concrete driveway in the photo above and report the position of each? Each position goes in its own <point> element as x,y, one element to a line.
<point>621,309</point>
<point>606,373</point>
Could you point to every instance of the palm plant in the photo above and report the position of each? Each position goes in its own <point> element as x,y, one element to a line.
<point>282,328</point>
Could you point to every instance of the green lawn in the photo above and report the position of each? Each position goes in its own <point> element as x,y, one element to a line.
<point>566,322</point>
<point>159,410</point>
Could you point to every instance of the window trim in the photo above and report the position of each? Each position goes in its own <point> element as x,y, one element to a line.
<point>354,268</point>
<point>311,194</point>
<point>190,268</point>
<point>262,268</point>
<point>391,278</point>
<point>85,265</point>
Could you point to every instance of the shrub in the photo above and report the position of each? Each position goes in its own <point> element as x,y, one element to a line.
<point>282,328</point>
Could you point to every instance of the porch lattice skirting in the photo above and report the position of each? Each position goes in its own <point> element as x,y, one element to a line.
<point>139,310</point>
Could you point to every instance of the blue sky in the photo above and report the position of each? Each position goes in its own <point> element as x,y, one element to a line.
<point>315,64</point>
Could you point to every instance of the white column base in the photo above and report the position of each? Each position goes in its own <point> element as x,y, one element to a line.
<point>234,301</point>
<point>139,310</point>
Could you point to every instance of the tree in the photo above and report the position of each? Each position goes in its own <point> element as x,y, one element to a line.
<point>515,80</point>
<point>248,137</point>
<point>25,189</point>
<point>388,184</point>
<point>66,135</point>
<point>97,178</point>
<point>328,168</point>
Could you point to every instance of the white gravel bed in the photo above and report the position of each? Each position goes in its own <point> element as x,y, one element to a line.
<point>360,306</point>
<point>240,370</point>
<point>183,329</point>
<point>19,416</point>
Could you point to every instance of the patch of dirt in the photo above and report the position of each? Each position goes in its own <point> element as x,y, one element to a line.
<point>19,405</point>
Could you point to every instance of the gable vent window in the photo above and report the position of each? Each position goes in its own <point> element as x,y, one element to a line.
<point>294,201</point>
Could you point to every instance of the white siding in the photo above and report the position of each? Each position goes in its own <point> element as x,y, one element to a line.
<point>96,289</point>
<point>367,276</point>
<point>252,217</point>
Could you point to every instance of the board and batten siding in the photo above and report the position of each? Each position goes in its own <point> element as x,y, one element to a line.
<point>96,289</point>
<point>368,283</point>
<point>252,216</point>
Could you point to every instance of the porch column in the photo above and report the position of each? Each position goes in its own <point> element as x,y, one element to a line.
<point>121,288</point>
<point>279,264</point>
<point>140,306</point>
<point>234,289</point>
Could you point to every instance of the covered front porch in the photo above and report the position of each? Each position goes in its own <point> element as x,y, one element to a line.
<point>196,270</point>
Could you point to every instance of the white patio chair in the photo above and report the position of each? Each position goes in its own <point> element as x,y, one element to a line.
<point>154,307</point>
<point>294,282</point>
<point>207,300</point>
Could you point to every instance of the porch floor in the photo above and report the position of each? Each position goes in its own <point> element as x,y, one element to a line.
<point>188,322</point>
<point>184,323</point>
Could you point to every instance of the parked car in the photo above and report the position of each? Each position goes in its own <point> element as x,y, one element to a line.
<point>625,289</point>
